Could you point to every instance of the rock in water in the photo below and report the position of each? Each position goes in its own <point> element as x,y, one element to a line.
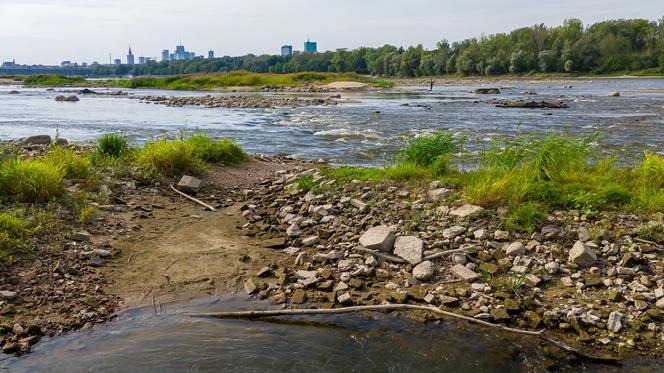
<point>582,255</point>
<point>423,271</point>
<point>614,94</point>
<point>189,184</point>
<point>409,248</point>
<point>37,140</point>
<point>70,99</point>
<point>378,238</point>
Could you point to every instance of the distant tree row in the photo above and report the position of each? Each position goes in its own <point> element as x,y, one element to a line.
<point>610,46</point>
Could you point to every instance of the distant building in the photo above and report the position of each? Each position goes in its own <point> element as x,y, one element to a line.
<point>65,63</point>
<point>172,57</point>
<point>211,54</point>
<point>9,65</point>
<point>130,57</point>
<point>141,60</point>
<point>310,46</point>
<point>117,61</point>
<point>165,56</point>
<point>180,53</point>
<point>286,50</point>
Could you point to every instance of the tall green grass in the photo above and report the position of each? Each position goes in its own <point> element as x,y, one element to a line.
<point>112,145</point>
<point>53,80</point>
<point>186,155</point>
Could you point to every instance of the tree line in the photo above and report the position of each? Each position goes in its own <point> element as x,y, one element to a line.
<point>604,47</point>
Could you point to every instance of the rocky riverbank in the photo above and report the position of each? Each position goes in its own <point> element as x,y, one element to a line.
<point>246,101</point>
<point>588,280</point>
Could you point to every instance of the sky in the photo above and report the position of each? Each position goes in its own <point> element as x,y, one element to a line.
<point>50,31</point>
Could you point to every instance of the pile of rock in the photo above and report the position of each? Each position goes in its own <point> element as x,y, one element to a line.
<point>369,243</point>
<point>253,102</point>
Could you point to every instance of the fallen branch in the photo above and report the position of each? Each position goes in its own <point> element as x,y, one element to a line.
<point>387,257</point>
<point>185,195</point>
<point>443,253</point>
<point>396,307</point>
<point>648,242</point>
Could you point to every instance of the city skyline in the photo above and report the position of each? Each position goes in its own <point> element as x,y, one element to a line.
<point>49,31</point>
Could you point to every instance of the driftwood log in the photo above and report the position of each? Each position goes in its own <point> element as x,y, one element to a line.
<point>185,195</point>
<point>401,307</point>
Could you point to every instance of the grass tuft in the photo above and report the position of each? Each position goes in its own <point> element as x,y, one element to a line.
<point>31,180</point>
<point>112,145</point>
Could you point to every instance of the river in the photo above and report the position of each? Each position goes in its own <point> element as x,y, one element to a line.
<point>367,131</point>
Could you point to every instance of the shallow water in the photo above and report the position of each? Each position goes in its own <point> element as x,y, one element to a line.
<point>175,342</point>
<point>368,131</point>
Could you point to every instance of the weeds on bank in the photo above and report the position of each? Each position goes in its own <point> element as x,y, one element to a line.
<point>305,183</point>
<point>112,145</point>
<point>510,282</point>
<point>186,155</point>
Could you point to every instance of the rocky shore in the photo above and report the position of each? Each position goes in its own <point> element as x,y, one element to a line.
<point>246,101</point>
<point>589,281</point>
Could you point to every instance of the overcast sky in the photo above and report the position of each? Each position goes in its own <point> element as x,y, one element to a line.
<point>50,31</point>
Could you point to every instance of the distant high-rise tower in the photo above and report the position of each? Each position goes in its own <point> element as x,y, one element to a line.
<point>130,57</point>
<point>165,56</point>
<point>286,50</point>
<point>310,46</point>
<point>180,53</point>
<point>117,61</point>
<point>211,54</point>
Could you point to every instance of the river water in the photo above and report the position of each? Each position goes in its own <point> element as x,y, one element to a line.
<point>367,131</point>
<point>173,341</point>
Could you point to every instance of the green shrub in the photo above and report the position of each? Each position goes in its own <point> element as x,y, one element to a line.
<point>31,180</point>
<point>112,145</point>
<point>75,166</point>
<point>424,150</point>
<point>169,158</point>
<point>224,151</point>
<point>407,172</point>
<point>12,232</point>
<point>440,166</point>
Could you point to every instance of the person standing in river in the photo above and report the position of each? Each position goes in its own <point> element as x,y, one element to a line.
<point>431,85</point>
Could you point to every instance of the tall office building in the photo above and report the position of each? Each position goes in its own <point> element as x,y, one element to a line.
<point>211,54</point>
<point>310,46</point>
<point>117,61</point>
<point>180,53</point>
<point>286,50</point>
<point>130,57</point>
<point>165,55</point>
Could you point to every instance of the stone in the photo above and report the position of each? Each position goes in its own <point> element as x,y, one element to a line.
<point>660,303</point>
<point>465,211</point>
<point>294,230</point>
<point>480,234</point>
<point>358,204</point>
<point>250,287</point>
<point>448,301</point>
<point>299,295</point>
<point>552,267</point>
<point>37,140</point>
<point>378,238</point>
<point>291,250</point>
<point>439,193</point>
<point>464,273</point>
<point>454,231</point>
<point>501,235</point>
<point>584,234</point>
<point>423,271</point>
<point>341,286</point>
<point>302,274</point>
<point>71,98</point>
<point>344,298</point>
<point>310,241</point>
<point>532,280</point>
<point>515,249</point>
<point>459,258</point>
<point>499,314</point>
<point>614,324</point>
<point>409,248</point>
<point>189,184</point>
<point>13,92</point>
<point>429,298</point>
<point>81,236</point>
<point>8,295</point>
<point>582,255</point>
<point>613,94</point>
<point>567,281</point>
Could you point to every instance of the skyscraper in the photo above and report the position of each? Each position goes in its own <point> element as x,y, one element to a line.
<point>310,46</point>
<point>165,56</point>
<point>286,50</point>
<point>130,57</point>
<point>211,54</point>
<point>180,53</point>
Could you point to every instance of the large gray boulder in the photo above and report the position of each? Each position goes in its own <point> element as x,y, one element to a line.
<point>37,140</point>
<point>424,270</point>
<point>582,255</point>
<point>378,238</point>
<point>189,184</point>
<point>409,248</point>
